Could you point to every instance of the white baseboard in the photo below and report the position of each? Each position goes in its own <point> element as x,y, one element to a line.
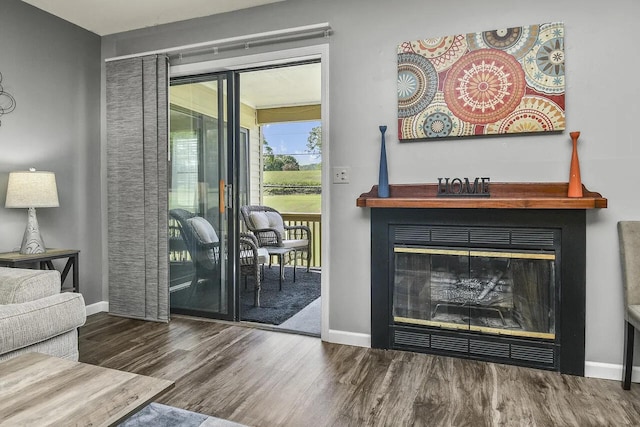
<point>609,371</point>
<point>97,307</point>
<point>347,338</point>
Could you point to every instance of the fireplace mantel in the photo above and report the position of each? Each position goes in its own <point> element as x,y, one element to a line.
<point>531,195</point>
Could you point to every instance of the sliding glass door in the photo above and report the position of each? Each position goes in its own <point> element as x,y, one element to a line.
<point>203,134</point>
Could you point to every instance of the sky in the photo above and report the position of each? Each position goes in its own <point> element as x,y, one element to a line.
<point>291,139</point>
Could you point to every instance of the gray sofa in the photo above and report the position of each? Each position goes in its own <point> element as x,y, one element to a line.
<point>35,316</point>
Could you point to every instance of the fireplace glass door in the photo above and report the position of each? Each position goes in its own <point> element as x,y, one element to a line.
<point>494,292</point>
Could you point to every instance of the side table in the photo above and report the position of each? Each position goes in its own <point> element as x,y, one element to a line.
<point>280,253</point>
<point>44,261</point>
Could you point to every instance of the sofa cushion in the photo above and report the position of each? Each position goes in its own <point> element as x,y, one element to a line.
<point>31,322</point>
<point>64,346</point>
<point>20,285</point>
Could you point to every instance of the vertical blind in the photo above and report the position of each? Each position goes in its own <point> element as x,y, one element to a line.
<point>137,132</point>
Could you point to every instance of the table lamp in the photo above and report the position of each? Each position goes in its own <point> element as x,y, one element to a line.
<point>32,189</point>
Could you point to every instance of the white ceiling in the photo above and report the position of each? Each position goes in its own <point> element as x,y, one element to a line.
<point>113,16</point>
<point>281,87</point>
<point>261,89</point>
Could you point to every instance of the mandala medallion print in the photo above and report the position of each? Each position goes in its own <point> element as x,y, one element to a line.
<point>492,82</point>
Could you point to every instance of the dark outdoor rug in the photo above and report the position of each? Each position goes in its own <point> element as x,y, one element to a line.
<point>158,415</point>
<point>277,306</point>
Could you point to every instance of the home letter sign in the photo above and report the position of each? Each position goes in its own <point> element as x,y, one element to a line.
<point>456,187</point>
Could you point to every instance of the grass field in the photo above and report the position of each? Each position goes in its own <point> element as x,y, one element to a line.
<point>298,203</point>
<point>312,177</point>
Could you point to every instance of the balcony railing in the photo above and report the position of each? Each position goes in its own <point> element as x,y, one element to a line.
<point>313,221</point>
<point>178,252</point>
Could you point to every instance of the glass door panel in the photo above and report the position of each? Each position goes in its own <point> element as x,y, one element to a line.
<point>431,287</point>
<point>496,292</point>
<point>199,226</point>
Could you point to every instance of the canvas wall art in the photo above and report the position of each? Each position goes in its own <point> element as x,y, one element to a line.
<point>492,82</point>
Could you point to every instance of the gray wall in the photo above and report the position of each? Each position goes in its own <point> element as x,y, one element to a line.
<point>601,102</point>
<point>52,68</point>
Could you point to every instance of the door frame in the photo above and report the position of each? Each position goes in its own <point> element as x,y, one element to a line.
<point>319,51</point>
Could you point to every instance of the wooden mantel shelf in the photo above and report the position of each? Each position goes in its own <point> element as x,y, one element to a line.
<point>530,195</point>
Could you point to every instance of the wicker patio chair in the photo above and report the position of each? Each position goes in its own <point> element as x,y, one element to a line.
<point>269,228</point>
<point>203,245</point>
<point>252,258</point>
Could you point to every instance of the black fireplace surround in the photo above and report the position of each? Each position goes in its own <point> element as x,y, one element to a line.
<point>558,234</point>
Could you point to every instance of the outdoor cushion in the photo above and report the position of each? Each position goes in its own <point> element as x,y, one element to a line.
<point>262,220</point>
<point>204,232</point>
<point>203,229</point>
<point>295,243</point>
<point>263,255</point>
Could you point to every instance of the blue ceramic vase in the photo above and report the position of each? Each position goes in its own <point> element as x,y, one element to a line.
<point>383,175</point>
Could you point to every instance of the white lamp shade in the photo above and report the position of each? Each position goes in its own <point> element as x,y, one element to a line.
<point>32,189</point>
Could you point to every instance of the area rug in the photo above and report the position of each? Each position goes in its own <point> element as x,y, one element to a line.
<point>159,415</point>
<point>277,306</point>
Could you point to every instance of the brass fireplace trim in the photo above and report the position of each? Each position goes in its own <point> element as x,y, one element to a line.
<point>484,329</point>
<point>519,255</point>
<point>474,253</point>
<point>430,251</point>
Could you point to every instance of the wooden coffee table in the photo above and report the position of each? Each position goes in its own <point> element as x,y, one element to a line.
<point>41,390</point>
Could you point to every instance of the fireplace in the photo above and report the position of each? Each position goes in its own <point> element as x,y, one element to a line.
<point>496,284</point>
<point>475,288</point>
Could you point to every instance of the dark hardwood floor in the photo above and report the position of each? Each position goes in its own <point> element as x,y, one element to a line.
<point>263,378</point>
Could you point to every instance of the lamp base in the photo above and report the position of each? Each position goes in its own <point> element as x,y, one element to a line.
<point>32,242</point>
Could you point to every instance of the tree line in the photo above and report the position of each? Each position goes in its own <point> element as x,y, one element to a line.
<point>285,162</point>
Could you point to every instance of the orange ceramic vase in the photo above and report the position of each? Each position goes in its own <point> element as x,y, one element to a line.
<point>575,183</point>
